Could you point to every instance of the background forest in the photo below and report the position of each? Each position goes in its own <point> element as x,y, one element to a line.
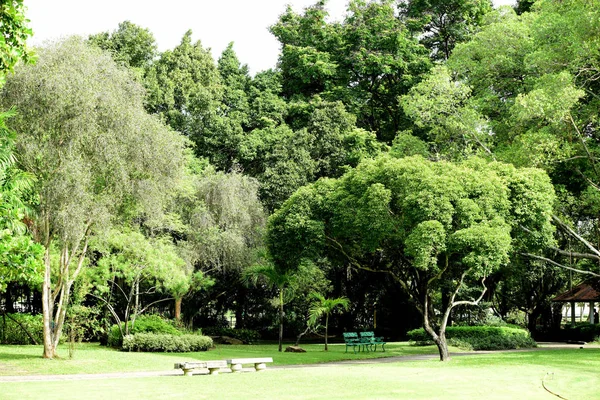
<point>429,161</point>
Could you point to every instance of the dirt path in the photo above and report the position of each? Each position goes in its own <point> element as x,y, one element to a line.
<point>38,378</point>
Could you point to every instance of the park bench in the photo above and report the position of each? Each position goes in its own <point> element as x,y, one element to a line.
<point>352,340</point>
<point>371,341</point>
<point>213,366</point>
<point>259,363</point>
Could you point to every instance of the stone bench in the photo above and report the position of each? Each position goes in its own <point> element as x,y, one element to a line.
<point>213,366</point>
<point>259,363</point>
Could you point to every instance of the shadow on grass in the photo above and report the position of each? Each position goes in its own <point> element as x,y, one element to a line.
<point>13,356</point>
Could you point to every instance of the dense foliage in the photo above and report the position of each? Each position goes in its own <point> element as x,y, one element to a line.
<point>166,343</point>
<point>414,157</point>
<point>479,337</point>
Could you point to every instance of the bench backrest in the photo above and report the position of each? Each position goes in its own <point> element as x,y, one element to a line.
<point>350,335</point>
<point>368,335</point>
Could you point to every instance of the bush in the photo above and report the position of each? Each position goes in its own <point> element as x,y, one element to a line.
<point>12,333</point>
<point>247,336</point>
<point>143,324</point>
<point>479,337</point>
<point>585,332</point>
<point>166,343</point>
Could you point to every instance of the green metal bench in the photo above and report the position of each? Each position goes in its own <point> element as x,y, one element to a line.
<point>352,340</point>
<point>371,341</point>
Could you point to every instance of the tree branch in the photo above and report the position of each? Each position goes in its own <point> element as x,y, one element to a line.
<point>575,235</point>
<point>549,261</point>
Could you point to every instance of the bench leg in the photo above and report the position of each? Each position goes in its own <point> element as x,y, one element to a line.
<point>187,372</point>
<point>236,367</point>
<point>214,371</point>
<point>260,367</point>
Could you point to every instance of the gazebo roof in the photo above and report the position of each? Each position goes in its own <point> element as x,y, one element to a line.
<point>583,292</point>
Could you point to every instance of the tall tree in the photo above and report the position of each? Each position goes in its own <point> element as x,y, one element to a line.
<point>366,61</point>
<point>433,226</point>
<point>185,88</point>
<point>96,154</point>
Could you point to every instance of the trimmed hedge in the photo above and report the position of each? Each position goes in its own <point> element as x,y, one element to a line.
<point>479,337</point>
<point>247,336</point>
<point>585,332</point>
<point>166,343</point>
<point>143,324</point>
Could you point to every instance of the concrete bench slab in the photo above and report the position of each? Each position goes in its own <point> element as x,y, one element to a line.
<point>213,366</point>
<point>236,364</point>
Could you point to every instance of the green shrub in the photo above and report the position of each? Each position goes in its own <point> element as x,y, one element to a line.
<point>479,337</point>
<point>585,332</point>
<point>12,332</point>
<point>247,336</point>
<point>143,324</point>
<point>153,342</point>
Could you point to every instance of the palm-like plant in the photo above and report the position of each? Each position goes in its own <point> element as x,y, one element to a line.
<point>321,305</point>
<point>272,277</point>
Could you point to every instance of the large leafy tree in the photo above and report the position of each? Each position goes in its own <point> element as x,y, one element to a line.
<point>366,61</point>
<point>432,226</point>
<point>532,80</point>
<point>184,87</point>
<point>325,143</point>
<point>96,154</point>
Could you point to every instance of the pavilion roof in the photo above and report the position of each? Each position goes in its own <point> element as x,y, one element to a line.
<point>585,291</point>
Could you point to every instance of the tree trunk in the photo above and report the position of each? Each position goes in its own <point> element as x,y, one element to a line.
<point>326,329</point>
<point>532,321</point>
<point>280,319</point>
<point>439,338</point>
<point>442,346</point>
<point>47,308</point>
<point>178,309</point>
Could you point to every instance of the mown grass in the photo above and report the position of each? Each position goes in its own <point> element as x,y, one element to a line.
<point>572,374</point>
<point>93,358</point>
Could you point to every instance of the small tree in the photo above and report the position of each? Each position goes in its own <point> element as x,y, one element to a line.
<point>325,306</point>
<point>272,277</point>
<point>135,265</point>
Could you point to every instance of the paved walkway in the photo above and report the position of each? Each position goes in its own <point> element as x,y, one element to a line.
<point>38,378</point>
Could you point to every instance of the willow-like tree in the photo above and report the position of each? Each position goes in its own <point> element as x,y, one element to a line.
<point>96,154</point>
<point>432,226</point>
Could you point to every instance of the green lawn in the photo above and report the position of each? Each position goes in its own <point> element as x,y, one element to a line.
<point>93,358</point>
<point>572,374</point>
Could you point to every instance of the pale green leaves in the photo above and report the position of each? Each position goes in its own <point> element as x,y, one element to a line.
<point>551,99</point>
<point>483,248</point>
<point>425,243</point>
<point>442,105</point>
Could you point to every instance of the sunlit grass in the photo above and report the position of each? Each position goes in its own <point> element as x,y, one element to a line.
<point>93,358</point>
<point>573,374</point>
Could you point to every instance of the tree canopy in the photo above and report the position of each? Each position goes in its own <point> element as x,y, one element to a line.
<point>431,225</point>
